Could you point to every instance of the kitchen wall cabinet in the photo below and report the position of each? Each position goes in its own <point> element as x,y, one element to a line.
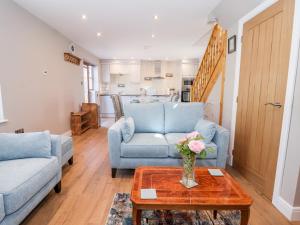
<point>188,69</point>
<point>135,73</point>
<point>118,68</point>
<point>150,71</point>
<point>105,73</point>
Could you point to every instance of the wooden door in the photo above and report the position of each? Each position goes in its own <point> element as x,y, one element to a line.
<point>263,76</point>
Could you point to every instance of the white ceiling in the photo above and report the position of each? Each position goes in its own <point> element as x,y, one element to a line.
<point>127,26</point>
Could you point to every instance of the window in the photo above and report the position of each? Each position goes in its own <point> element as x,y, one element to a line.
<point>1,109</point>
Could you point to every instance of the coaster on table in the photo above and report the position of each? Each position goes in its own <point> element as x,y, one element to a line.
<point>215,172</point>
<point>148,194</point>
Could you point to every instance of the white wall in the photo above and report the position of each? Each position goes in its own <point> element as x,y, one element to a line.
<point>212,108</point>
<point>229,12</point>
<point>29,47</point>
<point>291,175</point>
<point>1,108</point>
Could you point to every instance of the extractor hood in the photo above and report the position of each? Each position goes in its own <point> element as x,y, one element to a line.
<point>157,70</point>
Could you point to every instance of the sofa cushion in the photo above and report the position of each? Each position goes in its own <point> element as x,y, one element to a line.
<point>148,118</point>
<point>2,211</point>
<point>127,129</point>
<point>21,179</point>
<point>145,145</point>
<point>27,145</point>
<point>182,117</point>
<point>172,139</point>
<point>207,129</point>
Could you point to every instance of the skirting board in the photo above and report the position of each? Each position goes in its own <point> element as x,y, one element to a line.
<point>290,212</point>
<point>68,133</point>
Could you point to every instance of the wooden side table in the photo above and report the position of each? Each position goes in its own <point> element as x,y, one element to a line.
<point>92,108</point>
<point>212,193</point>
<point>80,122</point>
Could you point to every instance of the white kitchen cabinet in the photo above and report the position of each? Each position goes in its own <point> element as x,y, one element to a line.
<point>188,69</point>
<point>135,73</point>
<point>150,69</point>
<point>105,73</point>
<point>106,106</point>
<point>196,68</point>
<point>118,68</point>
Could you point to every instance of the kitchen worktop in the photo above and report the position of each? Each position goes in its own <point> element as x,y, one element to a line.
<point>137,95</point>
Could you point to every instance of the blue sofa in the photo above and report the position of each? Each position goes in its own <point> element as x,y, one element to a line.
<point>26,180</point>
<point>158,127</point>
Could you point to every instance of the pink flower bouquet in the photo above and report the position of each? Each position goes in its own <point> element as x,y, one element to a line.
<point>193,144</point>
<point>190,146</point>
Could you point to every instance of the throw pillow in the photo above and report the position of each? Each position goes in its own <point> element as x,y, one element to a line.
<point>207,129</point>
<point>26,145</point>
<point>127,129</point>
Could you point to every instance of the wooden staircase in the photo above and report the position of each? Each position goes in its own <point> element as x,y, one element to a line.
<point>212,66</point>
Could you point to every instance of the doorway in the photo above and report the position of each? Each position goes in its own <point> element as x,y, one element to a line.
<point>263,75</point>
<point>89,82</point>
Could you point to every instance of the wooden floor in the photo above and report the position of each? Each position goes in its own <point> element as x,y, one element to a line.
<point>88,189</point>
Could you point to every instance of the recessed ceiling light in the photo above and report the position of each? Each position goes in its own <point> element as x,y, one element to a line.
<point>167,58</point>
<point>131,57</point>
<point>83,16</point>
<point>99,34</point>
<point>153,35</point>
<point>155,17</point>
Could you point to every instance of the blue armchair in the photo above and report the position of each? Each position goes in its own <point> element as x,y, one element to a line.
<point>26,177</point>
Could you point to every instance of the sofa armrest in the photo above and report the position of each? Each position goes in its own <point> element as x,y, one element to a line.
<point>56,147</point>
<point>114,143</point>
<point>221,139</point>
<point>2,210</point>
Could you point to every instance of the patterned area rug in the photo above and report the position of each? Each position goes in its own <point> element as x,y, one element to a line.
<point>120,214</point>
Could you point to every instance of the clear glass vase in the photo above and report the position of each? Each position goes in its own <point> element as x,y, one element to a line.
<point>188,175</point>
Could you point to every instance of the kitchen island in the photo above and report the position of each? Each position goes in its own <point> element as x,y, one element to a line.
<point>106,105</point>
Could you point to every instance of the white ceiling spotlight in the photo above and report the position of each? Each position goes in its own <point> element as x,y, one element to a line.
<point>83,17</point>
<point>155,17</point>
<point>153,35</point>
<point>99,34</point>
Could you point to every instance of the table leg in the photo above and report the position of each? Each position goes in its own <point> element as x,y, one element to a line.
<point>136,216</point>
<point>215,213</point>
<point>245,214</point>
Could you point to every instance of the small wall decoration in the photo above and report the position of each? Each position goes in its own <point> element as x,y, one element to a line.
<point>169,74</point>
<point>232,44</point>
<point>72,58</point>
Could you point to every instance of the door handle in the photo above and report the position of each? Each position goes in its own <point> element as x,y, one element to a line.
<point>276,104</point>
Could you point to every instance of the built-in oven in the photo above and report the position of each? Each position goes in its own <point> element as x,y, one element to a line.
<point>185,96</point>
<point>188,82</point>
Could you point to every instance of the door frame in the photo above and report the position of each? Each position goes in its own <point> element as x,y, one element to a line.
<point>283,206</point>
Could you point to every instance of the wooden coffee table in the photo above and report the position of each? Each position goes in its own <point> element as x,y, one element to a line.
<point>212,193</point>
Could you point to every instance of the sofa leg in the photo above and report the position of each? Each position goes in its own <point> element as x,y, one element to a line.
<point>57,187</point>
<point>113,172</point>
<point>70,161</point>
